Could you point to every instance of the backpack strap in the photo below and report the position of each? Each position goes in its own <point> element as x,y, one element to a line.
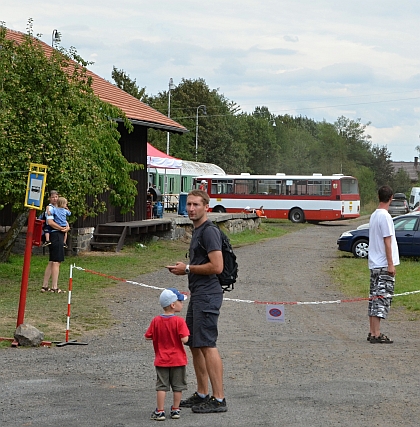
<point>204,227</point>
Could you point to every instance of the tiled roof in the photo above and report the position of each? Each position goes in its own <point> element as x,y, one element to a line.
<point>138,112</point>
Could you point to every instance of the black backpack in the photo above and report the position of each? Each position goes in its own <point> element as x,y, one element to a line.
<point>228,276</point>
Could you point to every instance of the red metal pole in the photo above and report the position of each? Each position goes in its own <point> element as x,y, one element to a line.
<point>26,266</point>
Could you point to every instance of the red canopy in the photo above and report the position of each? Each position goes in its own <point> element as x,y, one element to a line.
<point>158,159</point>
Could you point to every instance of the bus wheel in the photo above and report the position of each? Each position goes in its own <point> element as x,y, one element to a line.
<point>296,215</point>
<point>219,209</point>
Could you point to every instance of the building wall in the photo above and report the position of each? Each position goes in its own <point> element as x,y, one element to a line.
<point>134,149</point>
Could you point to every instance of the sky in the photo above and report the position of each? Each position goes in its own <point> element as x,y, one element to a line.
<point>320,59</point>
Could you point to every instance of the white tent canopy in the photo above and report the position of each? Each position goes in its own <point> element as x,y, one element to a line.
<point>199,168</point>
<point>158,159</point>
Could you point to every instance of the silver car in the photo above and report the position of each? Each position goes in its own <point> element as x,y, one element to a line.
<point>398,207</point>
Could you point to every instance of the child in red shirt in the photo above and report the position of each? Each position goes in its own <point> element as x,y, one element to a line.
<point>169,333</point>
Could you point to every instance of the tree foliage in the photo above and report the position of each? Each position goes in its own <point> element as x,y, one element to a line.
<point>124,82</point>
<point>50,115</point>
<point>401,182</point>
<point>218,133</point>
<point>242,142</point>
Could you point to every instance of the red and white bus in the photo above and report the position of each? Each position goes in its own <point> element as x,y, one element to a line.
<point>298,198</point>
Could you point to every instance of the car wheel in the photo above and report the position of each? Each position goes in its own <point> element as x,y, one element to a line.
<point>296,215</point>
<point>361,248</point>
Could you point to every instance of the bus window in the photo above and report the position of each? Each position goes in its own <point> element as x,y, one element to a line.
<point>319,188</point>
<point>349,186</point>
<point>245,186</point>
<point>221,187</point>
<point>301,188</point>
<point>269,186</point>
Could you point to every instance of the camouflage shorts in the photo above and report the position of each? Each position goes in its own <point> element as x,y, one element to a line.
<point>381,285</point>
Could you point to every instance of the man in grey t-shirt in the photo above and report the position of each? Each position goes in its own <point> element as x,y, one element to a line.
<point>206,261</point>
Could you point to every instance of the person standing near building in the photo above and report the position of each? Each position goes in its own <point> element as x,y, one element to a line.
<point>56,248</point>
<point>206,262</point>
<point>383,257</point>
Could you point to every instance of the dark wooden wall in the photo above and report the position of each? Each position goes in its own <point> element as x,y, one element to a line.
<point>134,149</point>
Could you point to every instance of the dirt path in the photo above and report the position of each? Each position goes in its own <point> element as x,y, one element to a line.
<point>316,369</point>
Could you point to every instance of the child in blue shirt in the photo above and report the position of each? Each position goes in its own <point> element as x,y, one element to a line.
<point>60,213</point>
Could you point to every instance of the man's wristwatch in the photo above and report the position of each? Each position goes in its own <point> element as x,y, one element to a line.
<point>187,269</point>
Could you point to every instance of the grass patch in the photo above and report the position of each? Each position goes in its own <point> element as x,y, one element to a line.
<point>368,208</point>
<point>352,275</point>
<point>48,311</point>
<point>268,229</point>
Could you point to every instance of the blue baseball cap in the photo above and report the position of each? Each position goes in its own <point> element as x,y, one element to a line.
<point>170,295</point>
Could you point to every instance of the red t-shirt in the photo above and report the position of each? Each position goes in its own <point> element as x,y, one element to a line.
<point>166,333</point>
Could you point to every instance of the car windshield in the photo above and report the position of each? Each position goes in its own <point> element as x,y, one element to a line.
<point>398,203</point>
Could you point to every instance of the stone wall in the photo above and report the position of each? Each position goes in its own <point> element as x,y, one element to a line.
<point>181,228</point>
<point>235,223</point>
<point>80,239</point>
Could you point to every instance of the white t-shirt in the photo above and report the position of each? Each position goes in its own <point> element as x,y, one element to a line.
<point>381,225</point>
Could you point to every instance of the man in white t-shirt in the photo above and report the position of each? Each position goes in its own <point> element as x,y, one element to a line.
<point>383,257</point>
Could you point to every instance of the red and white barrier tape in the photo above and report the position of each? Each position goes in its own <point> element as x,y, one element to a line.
<point>339,301</point>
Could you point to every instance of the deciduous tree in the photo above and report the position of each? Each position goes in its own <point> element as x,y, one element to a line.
<point>124,82</point>
<point>50,115</point>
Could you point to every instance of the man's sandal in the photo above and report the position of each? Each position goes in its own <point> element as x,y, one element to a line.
<point>45,289</point>
<point>56,291</point>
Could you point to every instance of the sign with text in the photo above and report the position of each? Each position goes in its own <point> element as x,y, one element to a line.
<point>36,186</point>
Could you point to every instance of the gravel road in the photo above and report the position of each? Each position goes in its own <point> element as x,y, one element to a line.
<point>315,369</point>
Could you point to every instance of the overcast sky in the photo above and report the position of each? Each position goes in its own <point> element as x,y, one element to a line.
<point>321,59</point>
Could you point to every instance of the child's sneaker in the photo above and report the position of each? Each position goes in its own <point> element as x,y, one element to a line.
<point>175,413</point>
<point>158,415</point>
<point>46,243</point>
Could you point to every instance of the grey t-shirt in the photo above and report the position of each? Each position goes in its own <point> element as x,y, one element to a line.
<point>205,239</point>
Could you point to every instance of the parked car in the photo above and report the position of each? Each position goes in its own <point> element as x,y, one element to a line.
<point>398,205</point>
<point>414,198</point>
<point>407,233</point>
